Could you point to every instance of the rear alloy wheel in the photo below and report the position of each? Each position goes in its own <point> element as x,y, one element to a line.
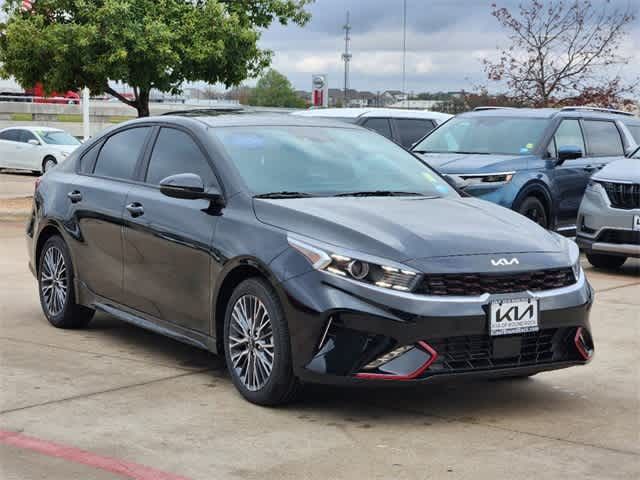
<point>533,209</point>
<point>55,283</point>
<point>257,346</point>
<point>48,164</point>
<point>606,262</point>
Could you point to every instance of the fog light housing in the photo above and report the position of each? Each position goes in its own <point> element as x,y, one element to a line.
<point>400,363</point>
<point>584,343</point>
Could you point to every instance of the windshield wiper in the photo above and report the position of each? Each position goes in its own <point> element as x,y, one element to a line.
<point>471,153</point>
<point>284,194</point>
<point>379,193</point>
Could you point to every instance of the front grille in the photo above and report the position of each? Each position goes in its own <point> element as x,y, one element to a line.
<point>474,284</point>
<point>476,352</point>
<point>623,195</point>
<point>619,236</point>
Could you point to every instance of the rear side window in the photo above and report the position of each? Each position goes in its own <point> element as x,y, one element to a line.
<point>10,135</point>
<point>603,138</point>
<point>568,134</point>
<point>120,153</point>
<point>88,160</point>
<point>380,125</point>
<point>175,152</point>
<point>411,130</point>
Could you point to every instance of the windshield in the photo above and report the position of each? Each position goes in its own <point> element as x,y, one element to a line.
<point>58,137</point>
<point>483,135</point>
<point>326,161</point>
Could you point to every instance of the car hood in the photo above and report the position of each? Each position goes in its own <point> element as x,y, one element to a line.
<point>473,163</point>
<point>407,228</point>
<point>62,148</point>
<point>627,170</point>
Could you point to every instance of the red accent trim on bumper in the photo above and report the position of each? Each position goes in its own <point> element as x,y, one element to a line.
<point>580,346</point>
<point>383,376</point>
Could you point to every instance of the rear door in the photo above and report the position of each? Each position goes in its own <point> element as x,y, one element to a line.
<point>409,130</point>
<point>604,142</point>
<point>106,172</point>
<point>8,148</point>
<point>166,248</point>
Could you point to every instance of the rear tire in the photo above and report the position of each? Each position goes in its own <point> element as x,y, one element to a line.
<point>606,262</point>
<point>257,347</point>
<point>534,210</point>
<point>55,284</point>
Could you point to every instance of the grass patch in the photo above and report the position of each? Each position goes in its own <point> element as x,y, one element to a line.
<point>21,117</point>
<point>71,118</point>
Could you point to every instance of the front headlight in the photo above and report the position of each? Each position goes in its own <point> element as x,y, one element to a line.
<point>574,253</point>
<point>484,178</point>
<point>392,276</point>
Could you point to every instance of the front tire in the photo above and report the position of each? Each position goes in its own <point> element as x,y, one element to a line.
<point>533,209</point>
<point>48,163</point>
<point>606,262</point>
<point>55,284</point>
<point>257,346</point>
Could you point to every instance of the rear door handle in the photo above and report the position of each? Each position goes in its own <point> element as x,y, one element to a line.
<point>74,196</point>
<point>135,209</point>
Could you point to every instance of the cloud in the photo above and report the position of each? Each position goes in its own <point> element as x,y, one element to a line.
<point>446,42</point>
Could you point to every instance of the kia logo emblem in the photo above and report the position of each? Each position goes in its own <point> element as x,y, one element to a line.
<point>503,262</point>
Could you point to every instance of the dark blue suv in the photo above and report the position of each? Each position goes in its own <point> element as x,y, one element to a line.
<point>535,161</point>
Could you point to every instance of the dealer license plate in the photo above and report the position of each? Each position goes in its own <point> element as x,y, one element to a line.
<point>509,317</point>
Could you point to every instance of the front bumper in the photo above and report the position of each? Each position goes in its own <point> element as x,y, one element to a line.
<point>338,327</point>
<point>603,229</point>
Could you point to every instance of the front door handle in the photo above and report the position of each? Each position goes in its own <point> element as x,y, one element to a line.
<point>74,196</point>
<point>135,209</point>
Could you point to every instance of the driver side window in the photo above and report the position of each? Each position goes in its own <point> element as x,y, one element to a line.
<point>568,134</point>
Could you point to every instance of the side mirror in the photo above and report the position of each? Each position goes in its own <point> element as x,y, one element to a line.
<point>34,142</point>
<point>458,183</point>
<point>189,186</point>
<point>568,152</point>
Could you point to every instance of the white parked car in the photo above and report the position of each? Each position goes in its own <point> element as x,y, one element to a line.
<point>403,126</point>
<point>34,148</point>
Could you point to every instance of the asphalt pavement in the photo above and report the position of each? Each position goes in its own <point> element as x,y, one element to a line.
<point>115,401</point>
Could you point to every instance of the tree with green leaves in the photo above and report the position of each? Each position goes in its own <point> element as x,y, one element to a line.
<point>147,44</point>
<point>274,90</point>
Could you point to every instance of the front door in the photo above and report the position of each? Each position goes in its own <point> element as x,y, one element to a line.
<point>569,179</point>
<point>167,260</point>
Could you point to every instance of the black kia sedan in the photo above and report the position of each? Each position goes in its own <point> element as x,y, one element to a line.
<point>306,251</point>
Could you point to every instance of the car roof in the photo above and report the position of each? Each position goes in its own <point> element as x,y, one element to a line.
<point>580,112</point>
<point>32,128</point>
<point>240,119</point>
<point>371,112</point>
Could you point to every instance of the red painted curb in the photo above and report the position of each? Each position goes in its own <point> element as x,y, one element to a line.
<point>72,454</point>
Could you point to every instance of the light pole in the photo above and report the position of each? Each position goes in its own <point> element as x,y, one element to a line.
<point>404,48</point>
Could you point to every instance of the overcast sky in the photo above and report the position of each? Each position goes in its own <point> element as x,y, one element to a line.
<point>446,41</point>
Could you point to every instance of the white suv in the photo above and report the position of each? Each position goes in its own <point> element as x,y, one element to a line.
<point>405,127</point>
<point>34,148</point>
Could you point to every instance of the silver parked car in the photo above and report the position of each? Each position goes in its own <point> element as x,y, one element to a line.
<point>609,217</point>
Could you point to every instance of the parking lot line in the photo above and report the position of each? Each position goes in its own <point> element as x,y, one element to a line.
<point>113,465</point>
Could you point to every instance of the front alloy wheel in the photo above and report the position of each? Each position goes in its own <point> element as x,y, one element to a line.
<point>251,342</point>
<point>49,163</point>
<point>257,347</point>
